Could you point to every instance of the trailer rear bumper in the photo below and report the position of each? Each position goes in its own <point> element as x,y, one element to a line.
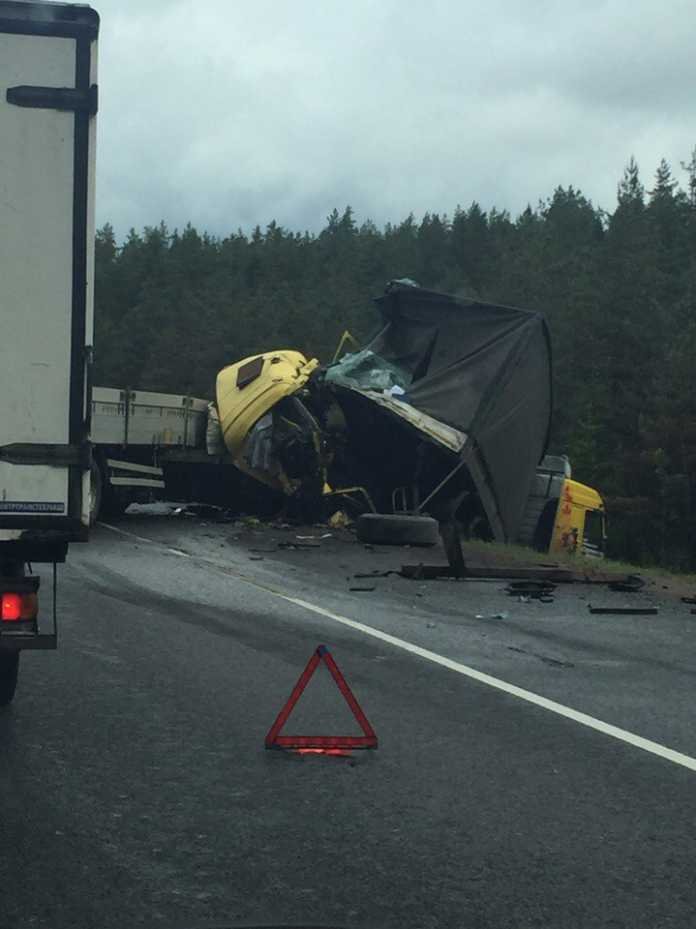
<point>38,641</point>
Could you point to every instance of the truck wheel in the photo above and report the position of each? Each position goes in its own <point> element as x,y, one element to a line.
<point>96,492</point>
<point>396,529</point>
<point>9,666</point>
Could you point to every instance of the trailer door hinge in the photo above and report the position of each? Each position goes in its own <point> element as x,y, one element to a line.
<point>70,99</point>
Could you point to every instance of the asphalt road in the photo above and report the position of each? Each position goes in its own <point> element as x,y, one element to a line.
<point>135,788</point>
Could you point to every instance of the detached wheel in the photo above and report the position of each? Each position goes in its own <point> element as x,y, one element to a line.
<point>395,529</point>
<point>9,667</point>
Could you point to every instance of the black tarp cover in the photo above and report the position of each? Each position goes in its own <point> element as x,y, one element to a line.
<point>486,370</point>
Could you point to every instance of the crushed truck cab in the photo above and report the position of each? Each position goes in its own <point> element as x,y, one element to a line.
<point>267,429</point>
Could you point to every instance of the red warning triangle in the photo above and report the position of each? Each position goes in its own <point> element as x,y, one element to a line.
<point>275,740</point>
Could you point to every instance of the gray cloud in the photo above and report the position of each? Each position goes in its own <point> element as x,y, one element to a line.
<point>228,113</point>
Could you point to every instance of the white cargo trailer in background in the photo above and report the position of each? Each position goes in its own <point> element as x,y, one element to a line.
<point>147,445</point>
<point>48,102</point>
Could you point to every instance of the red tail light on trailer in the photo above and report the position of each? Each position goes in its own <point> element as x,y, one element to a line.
<point>18,607</point>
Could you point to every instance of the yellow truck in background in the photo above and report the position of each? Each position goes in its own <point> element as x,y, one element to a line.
<point>563,515</point>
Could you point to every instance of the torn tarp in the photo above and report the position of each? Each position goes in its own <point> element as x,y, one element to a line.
<point>485,370</point>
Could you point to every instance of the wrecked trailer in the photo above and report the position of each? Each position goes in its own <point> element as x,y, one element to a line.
<point>474,419</point>
<point>446,410</point>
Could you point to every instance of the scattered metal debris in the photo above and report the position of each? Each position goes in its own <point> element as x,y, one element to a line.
<point>485,573</point>
<point>623,610</point>
<point>370,574</point>
<point>532,590</point>
<point>629,585</point>
<point>492,615</point>
<point>340,520</point>
<point>299,546</point>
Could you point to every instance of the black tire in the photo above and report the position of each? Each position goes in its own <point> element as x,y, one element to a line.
<point>395,529</point>
<point>9,668</point>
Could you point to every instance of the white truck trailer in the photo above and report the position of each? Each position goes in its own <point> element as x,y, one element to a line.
<point>48,102</point>
<point>147,444</point>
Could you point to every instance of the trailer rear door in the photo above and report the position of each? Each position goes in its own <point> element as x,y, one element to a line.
<point>48,101</point>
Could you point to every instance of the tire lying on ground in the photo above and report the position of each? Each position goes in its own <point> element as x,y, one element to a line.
<point>397,529</point>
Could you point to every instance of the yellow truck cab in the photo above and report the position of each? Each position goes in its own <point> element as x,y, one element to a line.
<point>260,417</point>
<point>563,515</point>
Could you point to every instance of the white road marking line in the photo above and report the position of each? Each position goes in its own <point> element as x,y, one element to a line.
<point>132,535</point>
<point>583,719</point>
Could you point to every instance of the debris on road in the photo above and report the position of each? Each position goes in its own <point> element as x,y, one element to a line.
<point>531,590</point>
<point>216,514</point>
<point>629,585</point>
<point>486,573</point>
<point>492,615</point>
<point>623,610</point>
<point>555,662</point>
<point>299,546</point>
<point>370,574</point>
<point>340,520</point>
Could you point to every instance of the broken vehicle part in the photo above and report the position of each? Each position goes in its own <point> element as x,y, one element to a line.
<point>532,590</point>
<point>623,610</point>
<point>374,574</point>
<point>483,573</point>
<point>349,493</point>
<point>630,585</point>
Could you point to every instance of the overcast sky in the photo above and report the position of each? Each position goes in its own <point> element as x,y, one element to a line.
<point>230,113</point>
